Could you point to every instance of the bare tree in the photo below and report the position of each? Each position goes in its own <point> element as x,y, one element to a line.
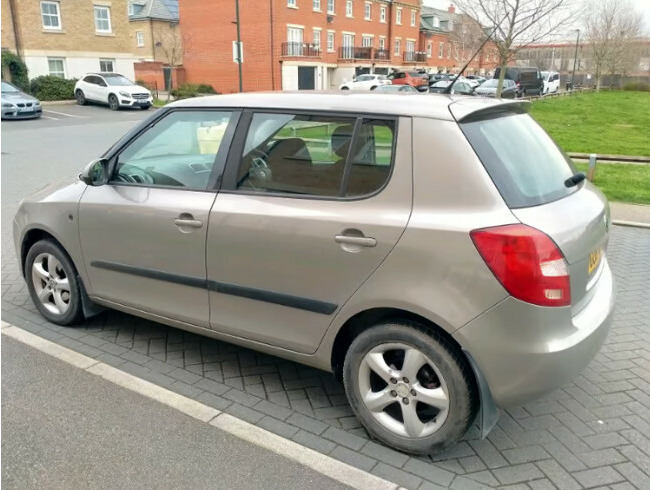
<point>172,45</point>
<point>467,35</point>
<point>518,23</point>
<point>612,26</point>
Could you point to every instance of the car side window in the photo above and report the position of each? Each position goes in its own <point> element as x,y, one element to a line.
<point>307,154</point>
<point>89,79</point>
<point>179,150</point>
<point>100,81</point>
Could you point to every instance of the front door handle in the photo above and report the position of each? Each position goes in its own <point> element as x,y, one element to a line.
<point>186,220</point>
<point>359,241</point>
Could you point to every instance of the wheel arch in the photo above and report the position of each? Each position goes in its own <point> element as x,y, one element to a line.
<point>35,235</point>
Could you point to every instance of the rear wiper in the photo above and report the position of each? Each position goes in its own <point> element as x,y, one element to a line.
<point>575,179</point>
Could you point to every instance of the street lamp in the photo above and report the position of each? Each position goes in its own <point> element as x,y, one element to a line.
<point>239,46</point>
<point>575,58</point>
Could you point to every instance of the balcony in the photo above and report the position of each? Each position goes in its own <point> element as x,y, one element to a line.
<point>300,50</point>
<point>415,57</point>
<point>381,55</point>
<point>355,53</point>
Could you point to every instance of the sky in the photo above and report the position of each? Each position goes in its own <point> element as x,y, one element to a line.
<point>642,6</point>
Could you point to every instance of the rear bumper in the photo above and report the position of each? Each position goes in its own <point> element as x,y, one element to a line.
<point>526,351</point>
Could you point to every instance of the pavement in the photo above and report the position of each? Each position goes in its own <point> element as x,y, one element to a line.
<point>630,213</point>
<point>594,432</point>
<point>65,428</point>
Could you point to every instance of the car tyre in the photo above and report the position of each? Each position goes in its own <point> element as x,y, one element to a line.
<point>113,103</point>
<point>373,87</point>
<point>53,284</point>
<point>80,96</point>
<point>443,377</point>
<point>145,107</point>
<point>345,88</point>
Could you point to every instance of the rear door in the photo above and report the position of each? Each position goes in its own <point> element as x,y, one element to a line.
<point>311,205</point>
<point>530,171</point>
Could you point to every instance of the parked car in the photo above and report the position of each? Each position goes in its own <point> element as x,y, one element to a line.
<point>112,89</point>
<point>335,240</point>
<point>16,104</point>
<point>475,80</point>
<point>397,88</point>
<point>366,82</point>
<point>437,77</point>
<point>528,80</point>
<point>460,87</point>
<point>415,79</point>
<point>551,82</point>
<point>489,89</point>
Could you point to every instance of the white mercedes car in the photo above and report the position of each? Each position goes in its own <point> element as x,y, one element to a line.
<point>366,82</point>
<point>112,89</point>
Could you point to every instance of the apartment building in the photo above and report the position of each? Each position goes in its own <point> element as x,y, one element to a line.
<point>68,38</point>
<point>298,44</point>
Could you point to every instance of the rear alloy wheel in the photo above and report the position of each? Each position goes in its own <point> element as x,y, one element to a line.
<point>113,103</point>
<point>52,283</point>
<point>81,98</point>
<point>410,388</point>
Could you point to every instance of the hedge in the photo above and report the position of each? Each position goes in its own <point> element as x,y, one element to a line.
<point>49,87</point>
<point>17,68</point>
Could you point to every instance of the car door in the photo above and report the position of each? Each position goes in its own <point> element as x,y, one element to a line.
<point>143,234</point>
<point>102,90</point>
<point>305,216</point>
<point>89,87</point>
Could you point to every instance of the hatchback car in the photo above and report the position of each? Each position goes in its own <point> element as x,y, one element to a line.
<point>112,89</point>
<point>317,227</point>
<point>415,79</point>
<point>461,87</point>
<point>489,89</point>
<point>18,105</point>
<point>366,82</point>
<point>397,88</point>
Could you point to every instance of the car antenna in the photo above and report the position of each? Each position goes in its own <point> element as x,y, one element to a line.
<point>447,90</point>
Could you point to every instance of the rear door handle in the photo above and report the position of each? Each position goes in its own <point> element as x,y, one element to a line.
<point>188,223</point>
<point>359,241</point>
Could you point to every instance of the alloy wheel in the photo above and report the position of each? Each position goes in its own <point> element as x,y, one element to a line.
<point>51,283</point>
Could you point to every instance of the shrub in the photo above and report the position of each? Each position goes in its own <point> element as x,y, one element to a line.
<point>637,87</point>
<point>17,68</point>
<point>188,90</point>
<point>206,89</point>
<point>52,88</point>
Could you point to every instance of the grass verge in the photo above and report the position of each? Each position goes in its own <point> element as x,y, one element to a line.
<point>622,182</point>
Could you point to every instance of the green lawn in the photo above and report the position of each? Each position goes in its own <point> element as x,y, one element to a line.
<point>622,182</point>
<point>616,123</point>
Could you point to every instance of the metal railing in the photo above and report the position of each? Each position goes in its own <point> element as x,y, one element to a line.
<point>355,53</point>
<point>381,55</point>
<point>300,49</point>
<point>415,57</point>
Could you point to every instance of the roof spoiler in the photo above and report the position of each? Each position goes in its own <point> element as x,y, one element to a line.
<point>465,111</point>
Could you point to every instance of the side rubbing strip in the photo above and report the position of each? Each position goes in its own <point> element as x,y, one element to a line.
<point>288,300</point>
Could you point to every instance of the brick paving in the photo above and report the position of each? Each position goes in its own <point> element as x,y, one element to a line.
<point>592,433</point>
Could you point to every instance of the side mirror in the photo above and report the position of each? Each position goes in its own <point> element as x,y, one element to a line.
<point>95,173</point>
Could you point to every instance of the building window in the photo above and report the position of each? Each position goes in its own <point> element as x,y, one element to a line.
<point>398,46</point>
<point>316,39</point>
<point>382,14</point>
<point>316,5</point>
<point>295,40</point>
<point>330,41</point>
<point>291,3</point>
<point>449,52</point>
<point>50,15</point>
<point>106,65</point>
<point>450,25</point>
<point>348,8</point>
<point>456,51</point>
<point>429,50</point>
<point>436,22</point>
<point>102,19</point>
<point>130,10</point>
<point>366,41</point>
<point>330,6</point>
<point>441,50</point>
<point>414,17</point>
<point>410,46</point>
<point>139,38</point>
<point>398,16</point>
<point>367,11</point>
<point>382,43</point>
<point>56,67</point>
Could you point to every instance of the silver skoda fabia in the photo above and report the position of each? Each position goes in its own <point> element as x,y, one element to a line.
<point>439,254</point>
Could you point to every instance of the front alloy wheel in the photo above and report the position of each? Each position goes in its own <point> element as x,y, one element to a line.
<point>113,103</point>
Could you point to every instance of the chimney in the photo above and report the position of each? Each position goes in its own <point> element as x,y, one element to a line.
<point>451,9</point>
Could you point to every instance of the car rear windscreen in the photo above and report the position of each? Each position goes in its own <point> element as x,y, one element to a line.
<point>525,164</point>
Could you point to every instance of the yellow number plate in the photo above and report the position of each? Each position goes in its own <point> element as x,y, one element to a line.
<point>594,260</point>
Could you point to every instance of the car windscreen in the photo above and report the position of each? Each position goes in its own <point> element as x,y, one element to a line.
<point>117,81</point>
<point>365,78</point>
<point>492,83</point>
<point>523,161</point>
<point>8,88</point>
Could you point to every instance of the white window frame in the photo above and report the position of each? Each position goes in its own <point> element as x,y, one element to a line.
<point>349,8</point>
<point>382,14</point>
<point>414,17</point>
<point>429,49</point>
<point>331,35</point>
<point>449,52</point>
<point>366,41</point>
<point>292,4</point>
<point>382,42</point>
<point>57,15</point>
<point>100,8</point>
<point>398,46</point>
<point>139,39</point>
<point>398,16</point>
<point>441,50</point>
<point>130,9</point>
<point>367,11</point>
<point>316,38</point>
<point>49,69</point>
<point>436,22</point>
<point>330,7</point>
<point>107,60</point>
<point>410,46</point>
<point>315,5</point>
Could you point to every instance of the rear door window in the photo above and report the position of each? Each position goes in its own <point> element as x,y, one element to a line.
<point>525,164</point>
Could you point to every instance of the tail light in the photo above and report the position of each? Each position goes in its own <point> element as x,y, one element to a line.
<point>527,263</point>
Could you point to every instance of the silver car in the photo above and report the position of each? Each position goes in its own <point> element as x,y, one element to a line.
<point>440,255</point>
<point>17,104</point>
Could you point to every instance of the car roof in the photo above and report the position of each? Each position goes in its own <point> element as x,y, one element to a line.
<point>433,106</point>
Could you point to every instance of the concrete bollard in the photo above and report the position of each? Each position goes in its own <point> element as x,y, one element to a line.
<point>591,172</point>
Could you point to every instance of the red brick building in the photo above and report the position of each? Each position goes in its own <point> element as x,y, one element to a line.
<point>309,44</point>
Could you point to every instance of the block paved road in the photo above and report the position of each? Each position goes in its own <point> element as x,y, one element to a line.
<point>592,433</point>
<point>66,428</point>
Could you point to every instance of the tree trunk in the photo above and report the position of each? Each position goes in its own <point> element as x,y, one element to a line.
<point>502,75</point>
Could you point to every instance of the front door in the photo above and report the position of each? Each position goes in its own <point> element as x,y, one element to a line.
<point>306,78</point>
<point>143,234</point>
<point>298,226</point>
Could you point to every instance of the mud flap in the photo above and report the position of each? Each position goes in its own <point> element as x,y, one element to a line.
<point>488,413</point>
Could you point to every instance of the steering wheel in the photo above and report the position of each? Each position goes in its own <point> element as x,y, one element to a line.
<point>258,170</point>
<point>133,175</point>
